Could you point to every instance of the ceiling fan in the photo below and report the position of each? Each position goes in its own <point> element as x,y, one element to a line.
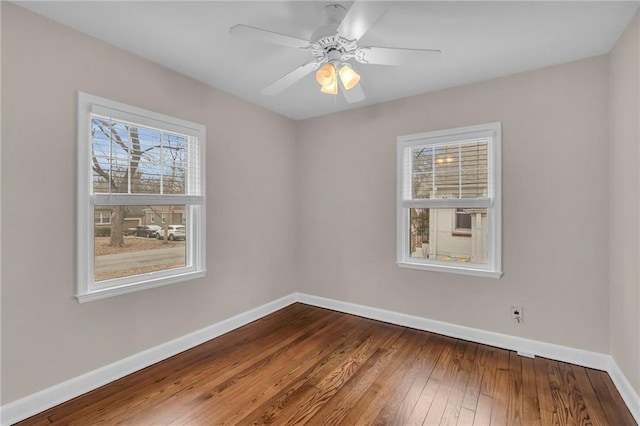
<point>333,45</point>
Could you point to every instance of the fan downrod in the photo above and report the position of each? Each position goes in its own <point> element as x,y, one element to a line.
<point>326,43</point>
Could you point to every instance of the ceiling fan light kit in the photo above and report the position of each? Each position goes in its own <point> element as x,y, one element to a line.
<point>333,45</point>
<point>327,78</point>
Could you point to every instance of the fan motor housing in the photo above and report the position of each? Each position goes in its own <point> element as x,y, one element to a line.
<point>326,43</point>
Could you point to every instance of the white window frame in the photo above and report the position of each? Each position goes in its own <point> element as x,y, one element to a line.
<point>86,289</point>
<point>493,201</point>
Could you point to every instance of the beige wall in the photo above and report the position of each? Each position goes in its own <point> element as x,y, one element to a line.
<point>47,337</point>
<point>555,206</point>
<point>624,187</point>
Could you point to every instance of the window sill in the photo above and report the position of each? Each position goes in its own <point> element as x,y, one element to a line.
<point>94,295</point>
<point>461,234</point>
<point>484,273</point>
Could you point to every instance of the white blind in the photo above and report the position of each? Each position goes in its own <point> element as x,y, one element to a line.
<point>452,170</point>
<point>130,158</point>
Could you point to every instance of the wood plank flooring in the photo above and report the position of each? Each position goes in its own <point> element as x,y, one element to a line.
<point>306,365</point>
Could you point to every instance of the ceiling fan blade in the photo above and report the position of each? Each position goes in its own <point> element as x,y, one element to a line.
<point>360,17</point>
<point>267,36</point>
<point>290,78</point>
<point>353,96</point>
<point>394,55</point>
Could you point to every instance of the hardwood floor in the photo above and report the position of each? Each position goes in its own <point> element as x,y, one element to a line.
<point>310,365</point>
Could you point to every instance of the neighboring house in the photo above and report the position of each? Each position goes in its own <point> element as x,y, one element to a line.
<point>143,215</point>
<point>135,217</point>
<point>164,215</point>
<point>455,234</point>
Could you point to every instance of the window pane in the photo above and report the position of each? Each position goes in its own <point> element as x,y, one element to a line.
<point>146,172</point>
<point>452,170</point>
<point>119,170</point>
<point>134,245</point>
<point>173,180</point>
<point>174,163</point>
<point>447,172</point>
<point>422,158</point>
<point>432,235</point>
<point>473,171</point>
<point>132,159</point>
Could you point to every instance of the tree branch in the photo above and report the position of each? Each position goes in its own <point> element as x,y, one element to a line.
<point>99,170</point>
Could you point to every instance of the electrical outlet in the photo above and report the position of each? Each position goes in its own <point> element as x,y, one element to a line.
<point>516,313</point>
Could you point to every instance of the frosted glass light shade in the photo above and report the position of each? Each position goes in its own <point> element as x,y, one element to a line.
<point>348,77</point>
<point>326,75</point>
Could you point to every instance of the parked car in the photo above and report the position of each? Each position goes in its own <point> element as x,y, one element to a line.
<point>174,232</point>
<point>130,231</point>
<point>148,231</point>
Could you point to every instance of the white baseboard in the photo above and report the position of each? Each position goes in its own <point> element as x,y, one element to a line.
<point>40,401</point>
<point>628,393</point>
<point>532,347</point>
<point>23,408</point>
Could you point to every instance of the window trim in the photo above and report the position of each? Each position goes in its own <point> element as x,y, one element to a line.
<point>86,289</point>
<point>493,201</point>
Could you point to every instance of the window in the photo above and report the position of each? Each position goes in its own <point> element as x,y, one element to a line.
<point>102,217</point>
<point>159,217</point>
<point>463,223</point>
<point>463,220</point>
<point>136,170</point>
<point>449,205</point>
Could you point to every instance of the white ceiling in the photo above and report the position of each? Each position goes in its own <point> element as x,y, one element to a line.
<point>479,41</point>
